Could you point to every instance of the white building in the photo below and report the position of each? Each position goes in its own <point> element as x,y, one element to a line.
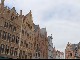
<point>50,47</point>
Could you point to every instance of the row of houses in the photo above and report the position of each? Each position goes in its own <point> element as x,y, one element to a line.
<point>20,38</point>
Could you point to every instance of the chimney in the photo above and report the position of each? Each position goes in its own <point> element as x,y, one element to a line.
<point>20,12</point>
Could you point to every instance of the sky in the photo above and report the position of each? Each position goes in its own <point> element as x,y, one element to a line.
<point>60,17</point>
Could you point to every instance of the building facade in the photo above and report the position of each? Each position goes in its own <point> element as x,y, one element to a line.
<point>20,38</point>
<point>50,47</point>
<point>43,43</point>
<point>72,51</point>
<point>16,34</point>
<point>27,37</point>
<point>37,54</point>
<point>9,31</point>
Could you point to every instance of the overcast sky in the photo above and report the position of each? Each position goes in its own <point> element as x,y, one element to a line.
<point>60,17</point>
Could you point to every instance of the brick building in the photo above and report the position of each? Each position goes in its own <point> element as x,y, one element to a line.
<point>16,34</point>
<point>37,54</point>
<point>43,43</point>
<point>72,51</point>
<point>27,37</point>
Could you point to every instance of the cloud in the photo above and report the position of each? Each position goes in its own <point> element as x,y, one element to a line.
<point>60,17</point>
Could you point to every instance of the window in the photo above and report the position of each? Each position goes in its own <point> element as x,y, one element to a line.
<point>31,27</point>
<point>38,54</point>
<point>17,39</point>
<point>37,48</point>
<point>27,34</point>
<point>70,54</point>
<point>24,42</point>
<point>13,38</point>
<point>6,24</point>
<point>29,45</point>
<point>0,33</point>
<point>2,48</point>
<point>21,43</point>
<point>9,37</point>
<point>4,35</point>
<point>15,52</point>
<point>20,54</point>
<point>11,50</point>
<point>14,29</point>
<point>12,18</point>
<point>26,45</point>
<point>6,49</point>
<point>10,26</point>
<point>23,53</point>
<point>25,56</point>
<point>30,55</point>
<point>23,32</point>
